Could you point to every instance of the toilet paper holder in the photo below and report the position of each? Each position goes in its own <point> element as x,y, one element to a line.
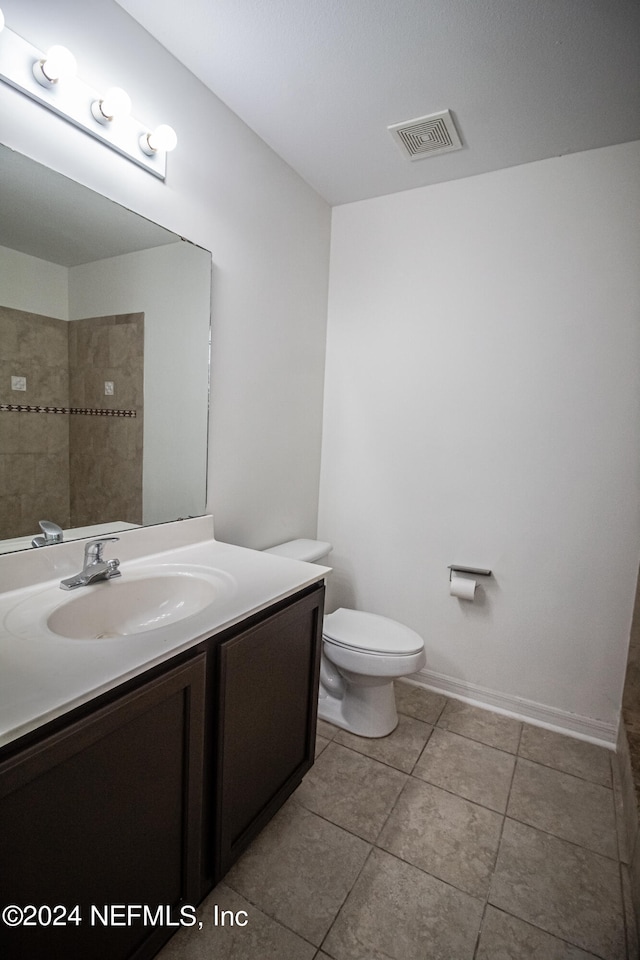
<point>476,571</point>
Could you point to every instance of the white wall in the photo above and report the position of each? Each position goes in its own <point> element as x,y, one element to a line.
<point>269,236</point>
<point>170,285</point>
<point>482,401</point>
<point>34,285</point>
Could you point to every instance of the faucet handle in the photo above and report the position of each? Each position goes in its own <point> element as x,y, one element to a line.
<point>93,549</point>
<point>52,532</point>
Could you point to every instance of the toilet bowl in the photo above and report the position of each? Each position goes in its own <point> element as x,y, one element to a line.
<point>362,654</point>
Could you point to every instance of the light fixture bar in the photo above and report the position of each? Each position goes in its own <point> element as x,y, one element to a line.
<point>72,99</point>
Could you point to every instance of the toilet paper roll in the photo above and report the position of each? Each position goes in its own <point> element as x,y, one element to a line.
<point>462,588</point>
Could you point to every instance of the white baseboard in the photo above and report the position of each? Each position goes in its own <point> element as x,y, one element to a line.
<point>573,725</point>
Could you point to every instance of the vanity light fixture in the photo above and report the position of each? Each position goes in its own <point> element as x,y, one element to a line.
<point>48,78</point>
<point>162,138</point>
<point>116,104</point>
<point>57,64</point>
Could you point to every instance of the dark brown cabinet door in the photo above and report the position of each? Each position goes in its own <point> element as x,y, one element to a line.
<point>104,813</point>
<point>266,720</point>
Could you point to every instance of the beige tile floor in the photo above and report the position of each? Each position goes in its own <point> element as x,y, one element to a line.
<point>464,835</point>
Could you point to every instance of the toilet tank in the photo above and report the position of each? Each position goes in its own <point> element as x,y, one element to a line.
<point>309,550</point>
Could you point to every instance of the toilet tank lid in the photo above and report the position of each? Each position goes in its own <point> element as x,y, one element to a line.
<point>309,550</point>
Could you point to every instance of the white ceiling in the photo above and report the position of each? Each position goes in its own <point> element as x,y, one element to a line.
<point>321,80</point>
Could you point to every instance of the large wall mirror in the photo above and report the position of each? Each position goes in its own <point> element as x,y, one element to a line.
<point>104,362</point>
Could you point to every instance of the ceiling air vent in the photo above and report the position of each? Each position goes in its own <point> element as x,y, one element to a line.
<point>426,136</point>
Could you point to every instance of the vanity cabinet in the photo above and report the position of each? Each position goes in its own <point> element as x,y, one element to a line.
<point>265,721</point>
<point>103,813</point>
<point>148,795</point>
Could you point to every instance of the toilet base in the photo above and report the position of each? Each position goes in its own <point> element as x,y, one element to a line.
<point>366,711</point>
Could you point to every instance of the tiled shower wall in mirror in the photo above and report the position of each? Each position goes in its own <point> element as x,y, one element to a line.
<point>106,430</point>
<point>34,447</point>
<point>71,420</point>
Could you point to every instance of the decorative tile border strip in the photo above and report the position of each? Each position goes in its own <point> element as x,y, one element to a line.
<point>85,411</point>
<point>27,408</point>
<point>97,412</point>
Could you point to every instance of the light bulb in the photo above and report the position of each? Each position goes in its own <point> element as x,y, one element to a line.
<point>163,138</point>
<point>115,104</point>
<point>57,63</point>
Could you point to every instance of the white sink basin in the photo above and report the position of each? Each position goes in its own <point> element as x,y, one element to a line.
<point>132,604</point>
<point>120,607</point>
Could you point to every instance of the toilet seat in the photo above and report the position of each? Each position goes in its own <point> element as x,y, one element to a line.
<point>370,633</point>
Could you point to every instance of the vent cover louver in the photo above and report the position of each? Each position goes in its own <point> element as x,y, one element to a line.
<point>426,136</point>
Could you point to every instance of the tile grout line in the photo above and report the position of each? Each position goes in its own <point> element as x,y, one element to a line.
<point>452,793</point>
<point>495,862</point>
<point>573,843</point>
<point>555,936</point>
<point>346,897</point>
<point>565,773</point>
<point>624,912</point>
<point>623,899</point>
<point>384,763</point>
<point>262,910</point>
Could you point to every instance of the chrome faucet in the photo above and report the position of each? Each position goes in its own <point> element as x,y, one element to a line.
<point>52,534</point>
<point>95,566</point>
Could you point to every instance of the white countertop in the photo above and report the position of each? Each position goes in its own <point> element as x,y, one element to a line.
<point>42,676</point>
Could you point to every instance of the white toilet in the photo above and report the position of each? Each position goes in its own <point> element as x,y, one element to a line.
<point>362,654</point>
